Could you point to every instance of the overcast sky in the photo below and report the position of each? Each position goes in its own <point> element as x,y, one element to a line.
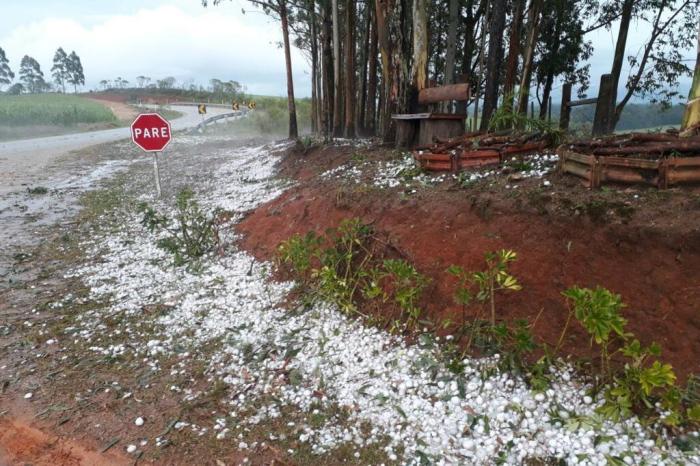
<point>180,38</point>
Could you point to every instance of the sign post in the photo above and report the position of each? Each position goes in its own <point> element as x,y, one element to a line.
<point>151,132</point>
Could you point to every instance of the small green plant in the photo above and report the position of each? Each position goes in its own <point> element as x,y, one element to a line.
<point>507,117</point>
<point>343,267</point>
<point>298,253</point>
<point>190,234</point>
<point>598,311</point>
<point>494,279</point>
<point>38,190</point>
<point>644,379</point>
<point>407,285</point>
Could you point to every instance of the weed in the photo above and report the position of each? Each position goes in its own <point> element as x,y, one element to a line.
<point>598,311</point>
<point>506,118</point>
<point>342,267</point>
<point>644,380</point>
<point>493,279</point>
<point>190,235</point>
<point>407,286</point>
<point>407,174</point>
<point>39,190</point>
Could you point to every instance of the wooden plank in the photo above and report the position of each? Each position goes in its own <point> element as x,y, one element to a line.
<point>578,103</point>
<point>432,95</point>
<point>428,116</point>
<point>410,116</point>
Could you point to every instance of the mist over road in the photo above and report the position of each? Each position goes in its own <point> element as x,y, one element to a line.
<point>21,160</point>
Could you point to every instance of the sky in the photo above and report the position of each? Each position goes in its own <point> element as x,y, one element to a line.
<point>180,38</point>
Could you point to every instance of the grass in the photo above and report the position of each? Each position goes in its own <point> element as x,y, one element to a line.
<point>51,109</point>
<point>271,117</point>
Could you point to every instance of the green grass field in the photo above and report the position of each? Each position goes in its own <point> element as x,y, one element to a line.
<point>51,109</point>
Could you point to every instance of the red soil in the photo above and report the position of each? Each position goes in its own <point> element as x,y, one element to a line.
<point>652,259</point>
<point>21,443</point>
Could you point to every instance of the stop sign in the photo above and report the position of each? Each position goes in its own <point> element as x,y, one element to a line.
<point>151,132</point>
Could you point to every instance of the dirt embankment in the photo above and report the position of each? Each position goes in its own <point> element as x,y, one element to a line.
<point>122,111</point>
<point>644,245</point>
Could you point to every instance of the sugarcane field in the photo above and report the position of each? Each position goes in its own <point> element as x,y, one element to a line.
<point>333,232</point>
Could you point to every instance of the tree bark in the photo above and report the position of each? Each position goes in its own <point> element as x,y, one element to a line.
<point>370,114</point>
<point>546,92</point>
<point>513,54</point>
<point>382,10</point>
<point>618,60</point>
<point>532,33</point>
<point>328,76</point>
<point>451,50</point>
<point>337,93</point>
<point>495,58</point>
<point>691,117</point>
<point>350,69</point>
<point>482,54</point>
<point>419,70</point>
<point>315,94</point>
<point>293,130</point>
<point>362,68</point>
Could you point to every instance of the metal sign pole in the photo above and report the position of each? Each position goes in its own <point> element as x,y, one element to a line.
<point>157,173</point>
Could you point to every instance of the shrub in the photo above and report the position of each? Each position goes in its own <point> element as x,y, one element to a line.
<point>190,234</point>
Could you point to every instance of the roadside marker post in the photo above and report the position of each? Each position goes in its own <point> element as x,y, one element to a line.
<point>151,132</point>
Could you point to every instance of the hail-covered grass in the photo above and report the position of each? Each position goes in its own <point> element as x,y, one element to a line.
<point>356,387</point>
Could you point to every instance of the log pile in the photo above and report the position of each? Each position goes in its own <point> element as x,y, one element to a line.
<point>640,145</point>
<point>661,160</point>
<point>478,149</point>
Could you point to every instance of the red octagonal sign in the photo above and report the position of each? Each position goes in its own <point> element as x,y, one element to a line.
<point>151,132</point>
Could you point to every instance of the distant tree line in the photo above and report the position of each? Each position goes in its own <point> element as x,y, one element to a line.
<point>66,69</point>
<point>217,90</point>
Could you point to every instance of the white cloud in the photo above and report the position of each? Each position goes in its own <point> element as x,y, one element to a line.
<point>164,41</point>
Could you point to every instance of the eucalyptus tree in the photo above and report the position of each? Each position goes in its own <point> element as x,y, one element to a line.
<point>59,70</point>
<point>75,73</point>
<point>6,74</point>
<point>31,75</point>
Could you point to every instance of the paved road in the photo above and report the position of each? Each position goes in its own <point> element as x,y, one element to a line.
<point>21,160</point>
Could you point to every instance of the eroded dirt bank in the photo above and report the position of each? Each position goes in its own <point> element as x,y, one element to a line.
<point>642,244</point>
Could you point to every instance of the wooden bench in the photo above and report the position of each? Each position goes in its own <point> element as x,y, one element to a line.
<point>423,127</point>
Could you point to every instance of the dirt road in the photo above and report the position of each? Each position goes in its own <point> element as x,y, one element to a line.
<point>24,162</point>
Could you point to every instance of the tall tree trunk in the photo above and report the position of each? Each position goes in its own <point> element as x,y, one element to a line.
<point>419,70</point>
<point>383,8</point>
<point>470,21</point>
<point>293,130</point>
<point>317,95</point>
<point>513,54</point>
<point>691,117</point>
<point>337,93</point>
<point>618,60</point>
<point>546,92</point>
<point>371,113</point>
<point>533,24</point>
<point>328,76</point>
<point>451,50</point>
<point>495,58</point>
<point>350,69</point>
<point>480,73</point>
<point>362,68</point>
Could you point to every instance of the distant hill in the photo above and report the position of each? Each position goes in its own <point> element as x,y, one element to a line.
<point>634,116</point>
